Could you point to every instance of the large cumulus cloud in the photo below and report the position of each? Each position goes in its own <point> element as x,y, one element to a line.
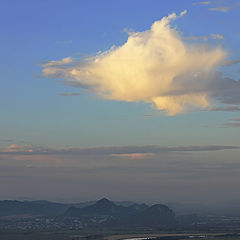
<point>155,66</point>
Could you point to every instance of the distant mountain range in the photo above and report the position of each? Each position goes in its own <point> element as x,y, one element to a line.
<point>104,207</point>
<point>103,213</point>
<point>48,208</point>
<point>33,208</point>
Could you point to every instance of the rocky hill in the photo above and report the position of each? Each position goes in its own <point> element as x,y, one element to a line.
<point>109,214</point>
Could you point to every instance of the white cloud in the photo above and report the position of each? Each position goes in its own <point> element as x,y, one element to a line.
<point>217,36</point>
<point>64,61</point>
<point>155,66</point>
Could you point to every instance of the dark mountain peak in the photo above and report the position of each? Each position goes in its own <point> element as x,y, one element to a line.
<point>159,208</point>
<point>102,208</point>
<point>105,202</point>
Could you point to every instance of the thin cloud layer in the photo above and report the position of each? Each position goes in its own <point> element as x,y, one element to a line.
<point>220,9</point>
<point>233,122</point>
<point>230,108</point>
<point>202,3</point>
<point>155,66</point>
<point>226,8</point>
<point>119,151</point>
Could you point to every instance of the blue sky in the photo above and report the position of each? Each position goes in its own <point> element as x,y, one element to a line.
<point>35,114</point>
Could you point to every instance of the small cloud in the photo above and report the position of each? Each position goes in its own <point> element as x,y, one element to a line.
<point>196,38</point>
<point>231,108</point>
<point>230,62</point>
<point>63,61</point>
<point>218,5</point>
<point>129,31</point>
<point>70,94</point>
<point>225,8</point>
<point>134,155</point>
<point>205,38</point>
<point>183,13</point>
<point>202,3</point>
<point>217,36</point>
<point>221,9</point>
<point>232,124</point>
<point>16,148</point>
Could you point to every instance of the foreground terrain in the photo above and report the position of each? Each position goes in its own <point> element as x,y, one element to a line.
<point>71,235</point>
<point>107,220</point>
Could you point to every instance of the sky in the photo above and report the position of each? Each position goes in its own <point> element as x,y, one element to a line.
<point>132,100</point>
